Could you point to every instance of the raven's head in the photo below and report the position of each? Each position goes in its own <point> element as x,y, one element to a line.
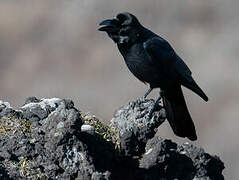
<point>124,28</point>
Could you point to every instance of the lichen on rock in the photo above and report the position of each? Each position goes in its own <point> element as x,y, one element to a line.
<point>51,139</point>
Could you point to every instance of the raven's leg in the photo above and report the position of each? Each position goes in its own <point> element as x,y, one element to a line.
<point>155,104</point>
<point>147,93</point>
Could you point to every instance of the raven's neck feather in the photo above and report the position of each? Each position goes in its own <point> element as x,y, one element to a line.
<point>144,35</point>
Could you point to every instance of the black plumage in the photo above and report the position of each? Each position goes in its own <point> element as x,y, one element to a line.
<point>152,60</point>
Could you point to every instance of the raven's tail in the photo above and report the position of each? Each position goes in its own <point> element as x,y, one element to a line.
<point>178,115</point>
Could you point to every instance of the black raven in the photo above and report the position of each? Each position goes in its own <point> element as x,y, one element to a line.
<point>152,60</point>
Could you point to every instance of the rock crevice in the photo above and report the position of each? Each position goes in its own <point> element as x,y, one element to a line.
<point>51,139</point>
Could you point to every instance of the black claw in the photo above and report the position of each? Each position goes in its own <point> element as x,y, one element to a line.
<point>152,110</point>
<point>150,113</point>
<point>154,107</point>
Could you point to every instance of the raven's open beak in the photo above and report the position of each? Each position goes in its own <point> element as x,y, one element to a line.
<point>109,25</point>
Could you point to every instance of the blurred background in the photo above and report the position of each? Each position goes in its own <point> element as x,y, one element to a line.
<point>53,49</point>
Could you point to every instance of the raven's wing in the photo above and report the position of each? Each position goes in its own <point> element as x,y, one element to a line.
<point>159,50</point>
<point>162,54</point>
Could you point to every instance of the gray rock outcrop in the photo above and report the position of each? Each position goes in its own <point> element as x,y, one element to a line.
<point>51,139</point>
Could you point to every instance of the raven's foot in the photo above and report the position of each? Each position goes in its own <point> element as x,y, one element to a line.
<point>153,107</point>
<point>151,110</point>
<point>143,98</point>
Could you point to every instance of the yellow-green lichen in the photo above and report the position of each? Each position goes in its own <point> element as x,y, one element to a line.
<point>25,168</point>
<point>109,133</point>
<point>12,126</point>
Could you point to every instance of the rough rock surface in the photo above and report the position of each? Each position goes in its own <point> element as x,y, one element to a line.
<point>165,158</point>
<point>51,139</point>
<point>134,126</point>
<point>45,142</point>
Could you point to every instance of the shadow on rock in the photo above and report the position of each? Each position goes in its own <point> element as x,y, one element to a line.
<point>51,139</point>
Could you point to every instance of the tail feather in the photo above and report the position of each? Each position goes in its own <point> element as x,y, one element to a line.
<point>178,115</point>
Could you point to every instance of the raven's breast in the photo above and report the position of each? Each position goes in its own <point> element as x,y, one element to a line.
<point>142,66</point>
